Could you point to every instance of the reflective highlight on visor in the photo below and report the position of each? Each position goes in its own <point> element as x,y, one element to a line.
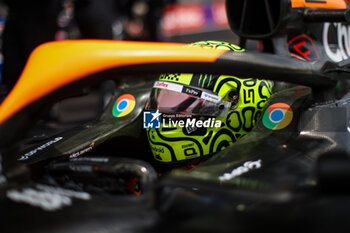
<point>175,98</point>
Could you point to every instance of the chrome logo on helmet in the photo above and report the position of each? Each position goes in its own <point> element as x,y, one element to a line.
<point>278,116</point>
<point>124,105</point>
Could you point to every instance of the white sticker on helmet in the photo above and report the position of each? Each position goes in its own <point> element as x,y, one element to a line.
<point>168,86</point>
<point>192,91</point>
<point>210,97</point>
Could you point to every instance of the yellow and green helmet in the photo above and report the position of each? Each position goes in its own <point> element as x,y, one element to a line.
<point>201,114</point>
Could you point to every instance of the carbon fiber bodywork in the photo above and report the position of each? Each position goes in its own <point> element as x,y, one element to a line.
<point>88,178</point>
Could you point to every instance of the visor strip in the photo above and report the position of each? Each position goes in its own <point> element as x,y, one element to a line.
<point>187,90</point>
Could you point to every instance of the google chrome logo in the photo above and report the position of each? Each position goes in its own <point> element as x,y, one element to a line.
<point>278,116</point>
<point>124,105</point>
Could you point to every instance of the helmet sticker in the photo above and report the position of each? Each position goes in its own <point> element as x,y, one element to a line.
<point>278,116</point>
<point>124,105</point>
<point>188,90</point>
<point>168,86</point>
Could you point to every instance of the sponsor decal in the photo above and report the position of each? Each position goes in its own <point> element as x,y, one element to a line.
<point>124,105</point>
<point>45,197</point>
<point>210,97</point>
<point>168,86</point>
<point>278,116</point>
<point>192,91</point>
<point>336,41</point>
<point>188,90</point>
<point>157,150</point>
<point>76,154</point>
<point>40,148</point>
<point>303,47</point>
<point>161,84</point>
<point>246,167</point>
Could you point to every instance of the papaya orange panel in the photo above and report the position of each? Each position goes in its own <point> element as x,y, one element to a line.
<point>325,4</point>
<point>56,64</point>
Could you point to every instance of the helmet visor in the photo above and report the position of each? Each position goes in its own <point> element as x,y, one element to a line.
<point>170,97</point>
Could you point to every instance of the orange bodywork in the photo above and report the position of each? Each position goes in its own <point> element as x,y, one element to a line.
<point>56,64</point>
<point>324,4</point>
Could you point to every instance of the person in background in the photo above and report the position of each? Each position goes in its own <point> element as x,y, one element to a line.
<point>31,23</point>
<point>28,24</point>
<point>141,18</point>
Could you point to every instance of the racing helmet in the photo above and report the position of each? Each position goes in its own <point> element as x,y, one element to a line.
<point>197,115</point>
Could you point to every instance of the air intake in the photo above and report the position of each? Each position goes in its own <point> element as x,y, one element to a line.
<point>254,19</point>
